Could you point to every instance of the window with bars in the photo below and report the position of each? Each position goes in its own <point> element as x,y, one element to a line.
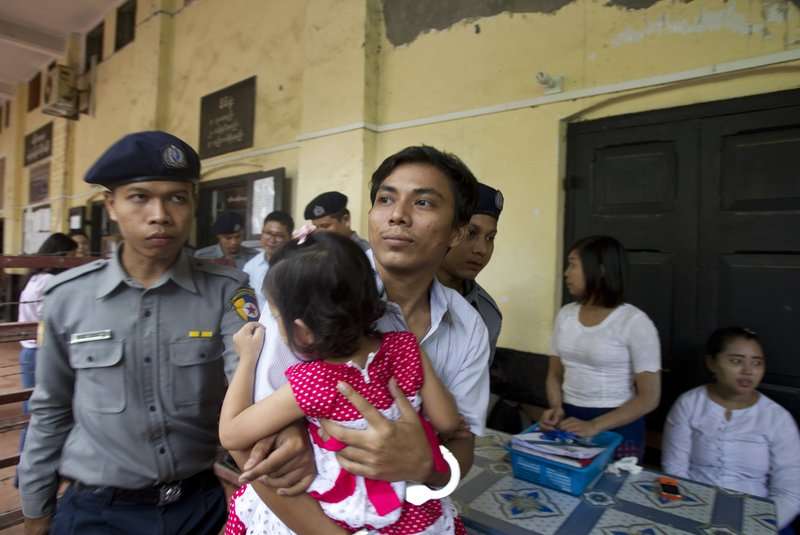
<point>126,24</point>
<point>35,92</point>
<point>94,45</point>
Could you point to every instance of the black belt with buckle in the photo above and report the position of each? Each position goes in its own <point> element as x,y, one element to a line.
<point>161,494</point>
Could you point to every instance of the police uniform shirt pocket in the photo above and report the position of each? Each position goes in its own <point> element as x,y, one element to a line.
<point>99,375</point>
<point>198,374</point>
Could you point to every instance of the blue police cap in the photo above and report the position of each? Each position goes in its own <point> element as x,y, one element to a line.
<point>490,201</point>
<point>330,202</point>
<point>144,156</point>
<point>227,223</point>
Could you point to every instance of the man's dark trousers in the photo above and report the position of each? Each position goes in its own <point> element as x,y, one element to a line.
<point>200,511</point>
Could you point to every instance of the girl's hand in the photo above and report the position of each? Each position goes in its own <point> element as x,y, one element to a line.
<point>551,418</point>
<point>582,428</point>
<point>248,340</point>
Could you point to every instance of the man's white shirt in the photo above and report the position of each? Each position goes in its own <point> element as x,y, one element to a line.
<point>257,268</point>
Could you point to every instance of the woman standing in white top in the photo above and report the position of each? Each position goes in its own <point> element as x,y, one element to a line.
<point>728,434</point>
<point>605,372</point>
<point>30,308</point>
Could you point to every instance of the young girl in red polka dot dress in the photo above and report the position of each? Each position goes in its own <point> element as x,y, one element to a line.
<point>322,292</point>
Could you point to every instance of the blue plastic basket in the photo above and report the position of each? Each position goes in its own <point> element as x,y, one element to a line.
<point>558,476</point>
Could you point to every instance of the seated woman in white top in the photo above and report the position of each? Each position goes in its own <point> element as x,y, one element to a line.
<point>728,434</point>
<point>605,375</point>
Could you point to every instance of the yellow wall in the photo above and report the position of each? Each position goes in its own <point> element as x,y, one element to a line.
<point>334,93</point>
<point>11,151</point>
<point>218,44</point>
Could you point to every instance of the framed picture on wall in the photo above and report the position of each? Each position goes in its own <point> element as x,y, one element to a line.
<point>36,228</point>
<point>252,195</point>
<point>264,192</point>
<point>76,218</point>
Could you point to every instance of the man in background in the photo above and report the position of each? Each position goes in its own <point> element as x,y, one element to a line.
<point>229,230</point>
<point>328,212</point>
<point>464,261</point>
<point>277,230</point>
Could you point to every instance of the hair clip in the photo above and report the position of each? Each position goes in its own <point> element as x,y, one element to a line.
<point>303,232</point>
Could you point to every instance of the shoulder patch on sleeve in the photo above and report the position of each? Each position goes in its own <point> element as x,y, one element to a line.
<point>246,305</point>
<point>220,270</point>
<point>74,273</point>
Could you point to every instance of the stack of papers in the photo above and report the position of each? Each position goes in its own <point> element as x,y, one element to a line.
<point>572,452</point>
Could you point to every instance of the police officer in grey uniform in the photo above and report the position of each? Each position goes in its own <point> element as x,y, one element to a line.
<point>463,263</point>
<point>328,212</point>
<point>132,363</point>
<point>228,228</point>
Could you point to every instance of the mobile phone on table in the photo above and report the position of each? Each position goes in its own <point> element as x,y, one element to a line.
<point>668,488</point>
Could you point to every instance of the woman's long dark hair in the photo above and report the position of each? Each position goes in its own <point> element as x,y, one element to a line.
<point>329,284</point>
<point>57,244</point>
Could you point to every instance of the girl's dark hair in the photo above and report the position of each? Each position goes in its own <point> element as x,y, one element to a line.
<point>721,338</point>
<point>463,182</point>
<point>605,270</point>
<point>57,244</point>
<point>328,282</point>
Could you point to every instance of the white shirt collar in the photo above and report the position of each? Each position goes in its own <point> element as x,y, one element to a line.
<point>437,294</point>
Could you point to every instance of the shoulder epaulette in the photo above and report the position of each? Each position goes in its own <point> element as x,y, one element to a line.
<point>74,273</point>
<point>220,270</point>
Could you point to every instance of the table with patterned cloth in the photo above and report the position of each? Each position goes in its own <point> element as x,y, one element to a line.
<point>492,502</point>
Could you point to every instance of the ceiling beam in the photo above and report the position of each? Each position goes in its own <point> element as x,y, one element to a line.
<point>32,38</point>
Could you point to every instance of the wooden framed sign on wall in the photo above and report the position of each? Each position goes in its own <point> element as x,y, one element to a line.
<point>39,187</point>
<point>39,144</point>
<point>227,119</point>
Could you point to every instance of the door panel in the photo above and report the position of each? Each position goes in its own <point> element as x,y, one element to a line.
<point>751,181</point>
<point>639,178</point>
<point>759,168</point>
<point>652,282</point>
<point>750,254</point>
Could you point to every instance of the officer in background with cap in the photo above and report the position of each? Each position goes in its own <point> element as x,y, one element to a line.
<point>464,261</point>
<point>132,364</point>
<point>228,228</point>
<point>328,212</point>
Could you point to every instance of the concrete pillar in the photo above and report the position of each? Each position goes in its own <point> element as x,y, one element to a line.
<point>339,92</point>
